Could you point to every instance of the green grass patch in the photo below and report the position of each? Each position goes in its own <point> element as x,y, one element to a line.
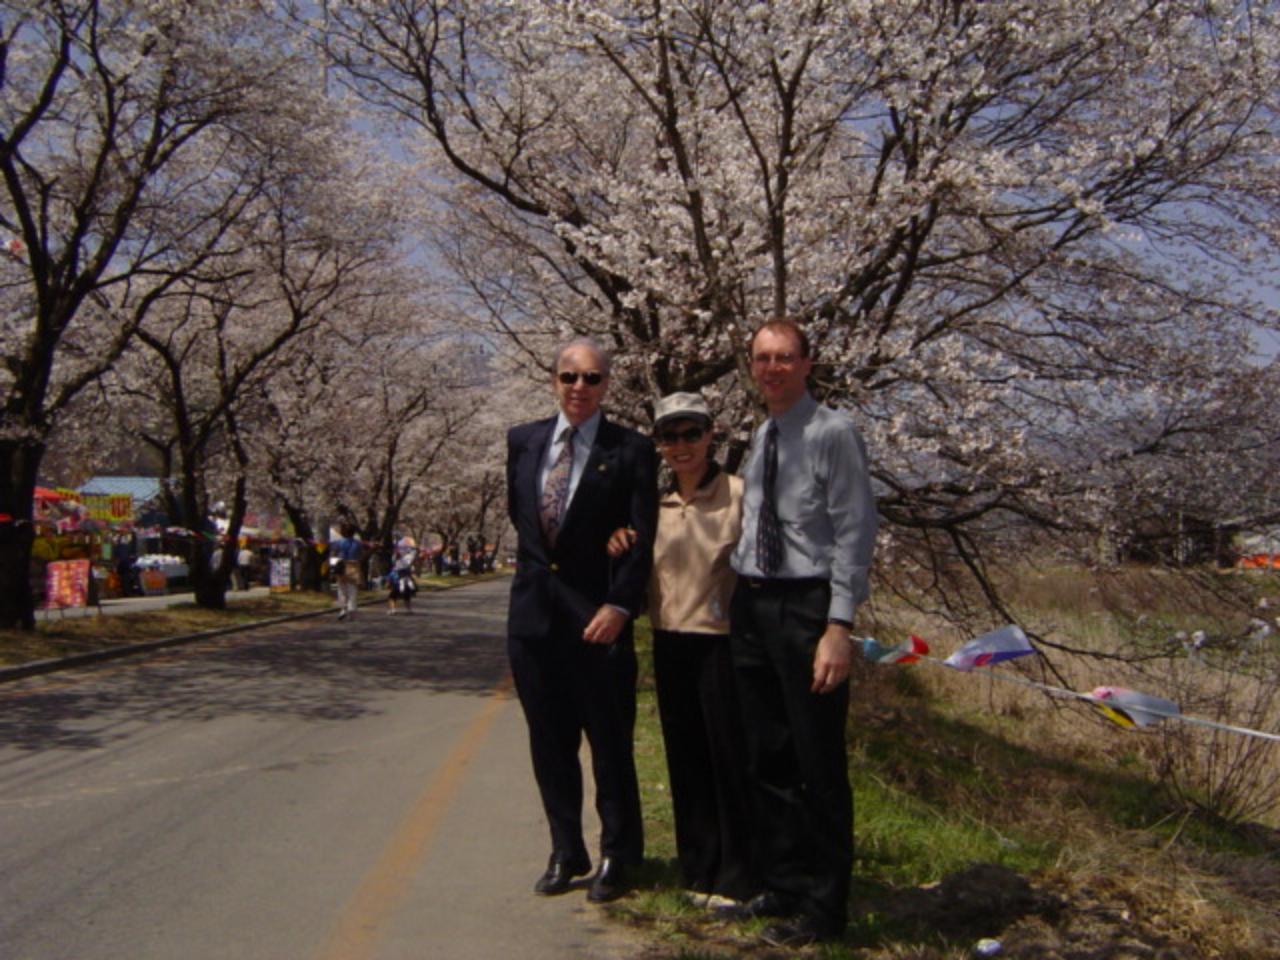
<point>900,839</point>
<point>651,767</point>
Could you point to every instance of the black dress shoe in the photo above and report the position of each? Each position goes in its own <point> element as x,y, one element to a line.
<point>560,873</point>
<point>800,931</point>
<point>767,904</point>
<point>609,882</point>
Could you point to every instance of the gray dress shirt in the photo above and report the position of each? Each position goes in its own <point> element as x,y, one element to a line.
<point>825,503</point>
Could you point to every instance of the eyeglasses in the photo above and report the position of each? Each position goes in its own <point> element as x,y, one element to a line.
<point>688,435</point>
<point>570,377</point>
<point>777,359</point>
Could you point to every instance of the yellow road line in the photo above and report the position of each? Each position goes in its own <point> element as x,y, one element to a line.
<point>386,885</point>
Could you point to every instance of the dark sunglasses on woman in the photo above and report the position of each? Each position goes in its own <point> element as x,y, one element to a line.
<point>688,435</point>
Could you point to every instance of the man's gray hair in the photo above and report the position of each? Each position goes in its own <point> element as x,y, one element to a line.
<point>591,344</point>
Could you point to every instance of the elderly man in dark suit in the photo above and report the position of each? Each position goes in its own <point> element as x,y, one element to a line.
<point>572,479</point>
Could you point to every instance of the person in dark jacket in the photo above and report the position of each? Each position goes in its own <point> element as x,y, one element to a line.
<point>572,479</point>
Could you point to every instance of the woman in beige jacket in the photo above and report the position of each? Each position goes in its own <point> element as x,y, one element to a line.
<point>699,521</point>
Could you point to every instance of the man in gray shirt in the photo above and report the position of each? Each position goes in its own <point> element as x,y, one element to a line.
<point>809,529</point>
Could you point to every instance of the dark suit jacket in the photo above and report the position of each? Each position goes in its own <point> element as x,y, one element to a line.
<point>563,587</point>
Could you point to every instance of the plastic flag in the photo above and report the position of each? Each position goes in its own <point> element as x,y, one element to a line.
<point>991,648</point>
<point>1129,708</point>
<point>909,651</point>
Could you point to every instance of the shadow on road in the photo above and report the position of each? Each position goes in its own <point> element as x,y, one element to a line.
<point>317,669</point>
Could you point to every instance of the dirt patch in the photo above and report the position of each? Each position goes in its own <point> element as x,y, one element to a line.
<point>1119,915</point>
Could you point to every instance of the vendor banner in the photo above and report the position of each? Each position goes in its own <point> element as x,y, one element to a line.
<point>108,507</point>
<point>66,584</point>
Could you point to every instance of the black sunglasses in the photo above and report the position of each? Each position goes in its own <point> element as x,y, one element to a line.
<point>569,378</point>
<point>688,435</point>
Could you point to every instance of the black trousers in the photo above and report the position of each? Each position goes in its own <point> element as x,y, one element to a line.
<point>568,687</point>
<point>797,762</point>
<point>706,761</point>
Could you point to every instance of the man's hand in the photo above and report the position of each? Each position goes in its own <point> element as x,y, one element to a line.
<point>606,625</point>
<point>620,541</point>
<point>831,659</point>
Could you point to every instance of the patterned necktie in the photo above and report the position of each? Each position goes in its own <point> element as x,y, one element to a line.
<point>555,492</point>
<point>768,529</point>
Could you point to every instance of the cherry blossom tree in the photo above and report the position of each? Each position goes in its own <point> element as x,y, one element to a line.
<point>128,136</point>
<point>294,434</point>
<point>364,416</point>
<point>1166,506</point>
<point>1027,237</point>
<point>416,404</point>
<point>309,254</point>
<point>464,497</point>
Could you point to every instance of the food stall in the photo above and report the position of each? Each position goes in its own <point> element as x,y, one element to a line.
<point>66,542</point>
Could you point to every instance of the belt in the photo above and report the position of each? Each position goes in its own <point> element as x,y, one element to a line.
<point>781,584</point>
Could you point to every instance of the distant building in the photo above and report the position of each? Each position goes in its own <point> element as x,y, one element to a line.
<point>1259,549</point>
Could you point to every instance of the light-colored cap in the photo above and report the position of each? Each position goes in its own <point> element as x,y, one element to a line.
<point>681,406</point>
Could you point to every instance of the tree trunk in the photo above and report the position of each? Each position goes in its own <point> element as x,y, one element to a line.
<point>309,558</point>
<point>211,585</point>
<point>19,463</point>
<point>210,588</point>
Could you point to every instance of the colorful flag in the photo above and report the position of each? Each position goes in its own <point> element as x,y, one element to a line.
<point>1129,708</point>
<point>991,648</point>
<point>909,651</point>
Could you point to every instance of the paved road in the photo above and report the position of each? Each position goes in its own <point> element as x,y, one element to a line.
<point>314,790</point>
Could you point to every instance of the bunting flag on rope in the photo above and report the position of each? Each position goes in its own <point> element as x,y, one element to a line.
<point>1129,708</point>
<point>991,648</point>
<point>909,651</point>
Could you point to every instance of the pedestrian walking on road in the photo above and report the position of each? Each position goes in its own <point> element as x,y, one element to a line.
<point>344,561</point>
<point>573,479</point>
<point>244,565</point>
<point>401,585</point>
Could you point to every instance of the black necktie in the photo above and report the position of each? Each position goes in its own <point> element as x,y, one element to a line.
<point>555,492</point>
<point>768,529</point>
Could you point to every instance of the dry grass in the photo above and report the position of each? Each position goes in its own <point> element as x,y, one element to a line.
<point>60,637</point>
<point>989,809</point>
<point>1139,869</point>
<point>1127,628</point>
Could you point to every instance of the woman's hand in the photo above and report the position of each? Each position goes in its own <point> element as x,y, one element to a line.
<point>620,541</point>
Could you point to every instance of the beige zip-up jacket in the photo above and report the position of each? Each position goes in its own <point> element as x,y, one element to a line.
<point>692,582</point>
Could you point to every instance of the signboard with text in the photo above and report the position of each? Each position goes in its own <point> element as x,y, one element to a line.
<point>279,572</point>
<point>108,507</point>
<point>66,584</point>
<point>154,582</point>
